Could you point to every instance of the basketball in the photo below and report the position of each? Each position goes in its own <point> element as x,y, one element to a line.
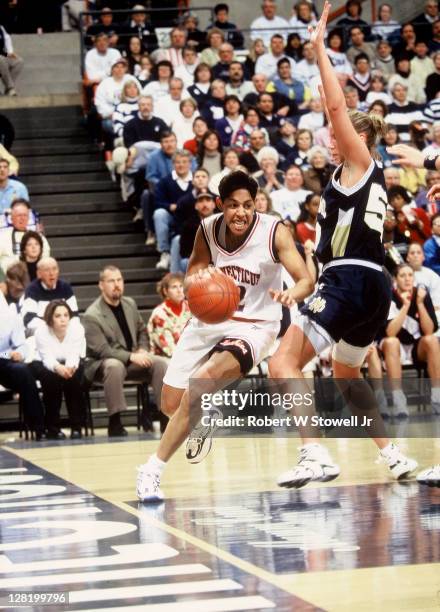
<point>213,299</point>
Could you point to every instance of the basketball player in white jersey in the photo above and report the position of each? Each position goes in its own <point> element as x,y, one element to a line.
<point>408,156</point>
<point>353,298</point>
<point>251,248</point>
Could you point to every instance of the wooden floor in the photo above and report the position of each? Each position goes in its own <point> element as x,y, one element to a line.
<point>226,538</point>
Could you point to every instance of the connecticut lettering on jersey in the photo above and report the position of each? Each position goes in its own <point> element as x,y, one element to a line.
<point>350,220</point>
<point>253,265</point>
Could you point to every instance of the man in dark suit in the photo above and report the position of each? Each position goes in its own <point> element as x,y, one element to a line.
<point>117,347</point>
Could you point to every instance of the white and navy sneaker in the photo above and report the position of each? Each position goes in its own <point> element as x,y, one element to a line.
<point>148,485</point>
<point>430,476</point>
<point>314,464</point>
<point>399,465</point>
<point>199,442</point>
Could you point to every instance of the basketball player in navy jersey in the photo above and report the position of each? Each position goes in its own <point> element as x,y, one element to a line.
<point>252,248</point>
<point>353,296</point>
<point>408,156</point>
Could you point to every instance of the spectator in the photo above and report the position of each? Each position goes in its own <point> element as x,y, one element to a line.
<point>210,152</point>
<point>410,336</point>
<point>260,83</point>
<point>214,107</point>
<point>353,10</point>
<point>358,46</point>
<point>434,41</point>
<point>134,55</point>
<point>60,345</point>
<point>431,112</point>
<point>432,246</point>
<point>160,165</point>
<point>302,18</point>
<point>230,162</point>
<point>236,85</point>
<point>361,79</point>
<point>169,108</point>
<point>385,28</point>
<point>392,177</point>
<point>202,82</point>
<point>104,24</point>
<point>10,238</point>
<point>263,203</point>
<point>140,27</point>
<point>432,177</point>
<point>300,155</point>
<point>228,126</point>
<point>233,34</point>
<point>306,223</point>
<point>17,279</point>
<point>99,60</point>
<point>384,61</point>
<point>145,71</point>
<point>337,56</point>
<point>314,119</point>
<point>307,68</point>
<point>294,47</point>
<point>248,158</point>
<point>199,127</point>
<point>31,251</point>
<point>10,63</point>
<point>287,201</point>
<point>159,87</point>
<point>169,318</point>
<point>269,120</point>
<point>285,85</point>
<point>401,111</point>
<point>432,86</point>
<point>378,108</point>
<point>269,178</point>
<point>256,50</point>
<point>117,347</point>
<point>423,275</point>
<point>413,82</point>
<point>284,141</point>
<point>204,207</point>
<point>14,373</point>
<point>407,42</point>
<point>44,289</point>
<point>10,189</point>
<point>214,39</point>
<point>421,65</point>
<point>108,96</point>
<point>167,192</point>
<point>267,64</point>
<point>395,244</point>
<point>145,127</point>
<point>182,125</point>
<point>411,221</point>
<point>195,38</point>
<point>127,108</point>
<point>226,56</point>
<point>390,138</point>
<point>319,174</point>
<point>188,67</point>
<point>268,23</point>
<point>251,122</point>
<point>377,93</point>
<point>423,22</point>
<point>173,54</point>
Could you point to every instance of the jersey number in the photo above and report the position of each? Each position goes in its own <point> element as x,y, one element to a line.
<point>376,207</point>
<point>240,306</point>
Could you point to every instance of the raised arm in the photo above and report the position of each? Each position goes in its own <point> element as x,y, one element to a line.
<point>350,146</point>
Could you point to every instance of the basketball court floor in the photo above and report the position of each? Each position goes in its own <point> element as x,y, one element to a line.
<point>226,538</point>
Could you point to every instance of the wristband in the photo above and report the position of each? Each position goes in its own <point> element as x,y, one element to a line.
<point>429,162</point>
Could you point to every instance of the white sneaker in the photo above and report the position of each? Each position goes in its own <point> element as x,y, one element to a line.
<point>148,485</point>
<point>151,239</point>
<point>400,466</point>
<point>199,442</point>
<point>314,464</point>
<point>430,476</point>
<point>400,405</point>
<point>164,262</point>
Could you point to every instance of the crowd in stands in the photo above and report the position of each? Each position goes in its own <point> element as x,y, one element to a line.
<point>172,121</point>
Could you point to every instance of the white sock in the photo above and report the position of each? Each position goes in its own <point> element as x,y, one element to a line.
<point>156,464</point>
<point>386,450</point>
<point>398,394</point>
<point>435,395</point>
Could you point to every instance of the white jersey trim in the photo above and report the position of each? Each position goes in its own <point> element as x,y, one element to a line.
<point>352,262</point>
<point>350,190</point>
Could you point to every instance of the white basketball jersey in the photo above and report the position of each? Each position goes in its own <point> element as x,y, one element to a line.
<point>253,265</point>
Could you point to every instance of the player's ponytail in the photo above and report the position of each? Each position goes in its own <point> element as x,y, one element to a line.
<point>372,125</point>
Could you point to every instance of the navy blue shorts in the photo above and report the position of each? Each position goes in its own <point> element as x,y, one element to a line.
<point>352,302</point>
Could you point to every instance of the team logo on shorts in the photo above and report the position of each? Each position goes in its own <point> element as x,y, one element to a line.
<point>236,342</point>
<point>317,304</point>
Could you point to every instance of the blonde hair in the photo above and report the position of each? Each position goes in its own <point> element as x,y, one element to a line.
<point>373,126</point>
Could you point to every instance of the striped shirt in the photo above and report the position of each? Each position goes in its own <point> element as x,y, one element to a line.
<point>401,116</point>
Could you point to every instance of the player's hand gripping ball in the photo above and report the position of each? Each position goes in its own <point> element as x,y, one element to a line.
<point>213,298</point>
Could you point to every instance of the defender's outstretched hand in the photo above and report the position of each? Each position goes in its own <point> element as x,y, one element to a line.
<point>407,156</point>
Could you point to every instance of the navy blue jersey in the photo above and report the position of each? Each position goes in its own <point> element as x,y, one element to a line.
<point>350,220</point>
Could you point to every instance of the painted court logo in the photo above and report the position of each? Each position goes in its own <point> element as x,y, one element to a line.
<point>317,304</point>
